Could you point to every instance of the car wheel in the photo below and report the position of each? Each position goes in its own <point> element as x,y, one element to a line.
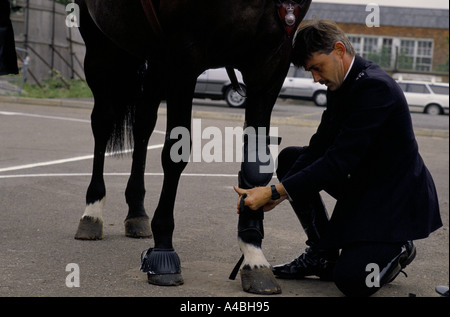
<point>233,98</point>
<point>433,109</point>
<point>320,98</point>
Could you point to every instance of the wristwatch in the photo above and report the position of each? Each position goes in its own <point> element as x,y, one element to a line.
<point>275,194</point>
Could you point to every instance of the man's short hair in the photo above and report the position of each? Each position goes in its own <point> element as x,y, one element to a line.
<point>317,36</point>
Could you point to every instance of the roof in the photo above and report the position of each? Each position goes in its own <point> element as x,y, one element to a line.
<point>389,16</point>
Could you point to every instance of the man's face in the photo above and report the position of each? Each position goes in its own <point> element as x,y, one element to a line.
<point>327,69</point>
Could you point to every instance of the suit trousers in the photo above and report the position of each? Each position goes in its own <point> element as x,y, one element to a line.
<point>360,265</point>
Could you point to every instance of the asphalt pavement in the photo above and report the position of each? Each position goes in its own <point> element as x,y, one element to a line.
<point>45,164</point>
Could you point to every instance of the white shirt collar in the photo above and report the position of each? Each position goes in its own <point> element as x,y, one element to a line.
<point>351,65</point>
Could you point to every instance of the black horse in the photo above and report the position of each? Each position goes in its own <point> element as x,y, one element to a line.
<point>131,47</point>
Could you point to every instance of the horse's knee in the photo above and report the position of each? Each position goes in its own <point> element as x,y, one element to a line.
<point>258,164</point>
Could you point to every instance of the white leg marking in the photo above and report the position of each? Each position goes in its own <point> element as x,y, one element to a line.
<point>253,256</point>
<point>95,210</point>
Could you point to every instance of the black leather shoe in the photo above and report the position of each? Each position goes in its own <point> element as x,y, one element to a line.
<point>310,263</point>
<point>404,258</point>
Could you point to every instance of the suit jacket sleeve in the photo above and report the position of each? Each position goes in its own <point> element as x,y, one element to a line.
<point>368,107</point>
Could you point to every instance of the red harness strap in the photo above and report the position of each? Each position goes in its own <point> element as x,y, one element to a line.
<point>289,14</point>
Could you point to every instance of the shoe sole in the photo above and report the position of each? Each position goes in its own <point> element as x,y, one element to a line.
<point>323,277</point>
<point>410,258</point>
<point>402,263</point>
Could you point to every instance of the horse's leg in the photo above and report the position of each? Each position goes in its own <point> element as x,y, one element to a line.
<point>137,223</point>
<point>162,263</point>
<point>105,64</point>
<point>91,223</point>
<point>256,273</point>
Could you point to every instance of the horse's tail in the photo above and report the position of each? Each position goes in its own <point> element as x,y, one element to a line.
<point>114,114</point>
<point>121,135</point>
<point>124,110</point>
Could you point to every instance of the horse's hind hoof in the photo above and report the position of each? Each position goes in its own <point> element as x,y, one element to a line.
<point>259,281</point>
<point>90,228</point>
<point>138,227</point>
<point>165,279</point>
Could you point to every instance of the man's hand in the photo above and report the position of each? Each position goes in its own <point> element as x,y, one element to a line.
<point>258,197</point>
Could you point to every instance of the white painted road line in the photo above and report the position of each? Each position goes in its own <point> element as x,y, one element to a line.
<point>71,159</point>
<point>8,113</point>
<point>108,174</point>
<point>23,114</point>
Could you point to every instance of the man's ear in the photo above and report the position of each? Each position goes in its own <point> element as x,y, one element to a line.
<point>340,49</point>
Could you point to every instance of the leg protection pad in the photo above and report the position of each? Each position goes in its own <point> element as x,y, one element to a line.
<point>256,170</point>
<point>257,165</point>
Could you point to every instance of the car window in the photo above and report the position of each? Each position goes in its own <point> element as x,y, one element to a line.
<point>402,86</point>
<point>417,88</point>
<point>298,73</point>
<point>441,90</point>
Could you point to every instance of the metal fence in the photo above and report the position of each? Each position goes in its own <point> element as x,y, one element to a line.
<point>45,46</point>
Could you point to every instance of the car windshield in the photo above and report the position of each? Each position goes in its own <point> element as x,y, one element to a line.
<point>441,90</point>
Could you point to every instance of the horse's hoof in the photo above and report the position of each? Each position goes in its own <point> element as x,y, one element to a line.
<point>165,279</point>
<point>138,227</point>
<point>259,281</point>
<point>162,266</point>
<point>90,228</point>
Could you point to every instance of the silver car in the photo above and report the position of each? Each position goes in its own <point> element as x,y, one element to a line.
<point>299,84</point>
<point>426,97</point>
<point>215,84</point>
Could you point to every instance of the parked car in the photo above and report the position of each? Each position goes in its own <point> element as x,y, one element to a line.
<point>426,97</point>
<point>215,84</point>
<point>300,84</point>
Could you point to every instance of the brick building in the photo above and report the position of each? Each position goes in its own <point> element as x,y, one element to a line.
<point>397,38</point>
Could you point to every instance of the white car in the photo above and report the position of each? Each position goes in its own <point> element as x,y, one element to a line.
<point>426,97</point>
<point>215,84</point>
<point>300,85</point>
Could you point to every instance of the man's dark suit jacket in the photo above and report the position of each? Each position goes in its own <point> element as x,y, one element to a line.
<point>365,155</point>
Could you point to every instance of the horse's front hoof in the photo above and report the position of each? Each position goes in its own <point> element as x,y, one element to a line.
<point>162,266</point>
<point>138,227</point>
<point>259,281</point>
<point>90,228</point>
<point>165,279</point>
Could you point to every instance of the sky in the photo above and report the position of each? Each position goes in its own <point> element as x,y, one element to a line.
<point>435,4</point>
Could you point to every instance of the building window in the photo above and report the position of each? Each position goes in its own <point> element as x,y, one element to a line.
<point>408,53</point>
<point>370,46</point>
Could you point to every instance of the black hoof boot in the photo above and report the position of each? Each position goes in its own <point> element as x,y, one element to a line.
<point>162,267</point>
